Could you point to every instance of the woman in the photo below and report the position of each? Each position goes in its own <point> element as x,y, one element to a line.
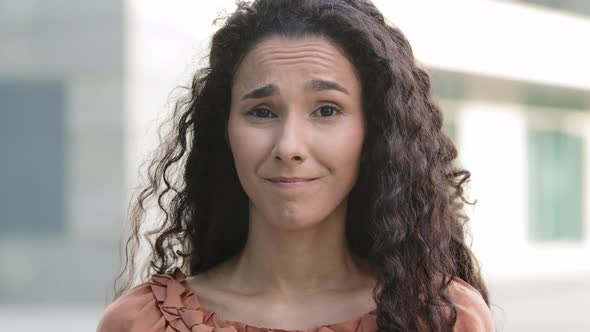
<point>316,188</point>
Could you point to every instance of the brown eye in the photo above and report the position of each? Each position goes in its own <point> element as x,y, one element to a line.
<point>327,111</point>
<point>261,113</point>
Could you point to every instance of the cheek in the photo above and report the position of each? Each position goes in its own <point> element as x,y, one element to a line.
<point>248,147</point>
<point>341,147</point>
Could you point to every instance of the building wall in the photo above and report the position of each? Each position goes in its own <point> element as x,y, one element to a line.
<point>62,130</point>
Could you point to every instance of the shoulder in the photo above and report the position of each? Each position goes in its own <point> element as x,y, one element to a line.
<point>134,305</point>
<point>473,314</point>
<point>163,302</point>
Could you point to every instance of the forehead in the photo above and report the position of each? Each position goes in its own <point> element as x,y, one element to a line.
<point>288,59</point>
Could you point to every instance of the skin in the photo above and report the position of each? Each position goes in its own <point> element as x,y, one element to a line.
<point>295,263</point>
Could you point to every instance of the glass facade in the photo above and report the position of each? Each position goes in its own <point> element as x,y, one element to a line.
<point>555,191</point>
<point>33,143</point>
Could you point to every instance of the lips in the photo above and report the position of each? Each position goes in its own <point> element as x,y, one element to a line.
<point>290,179</point>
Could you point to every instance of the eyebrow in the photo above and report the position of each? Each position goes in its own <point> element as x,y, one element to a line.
<point>319,85</point>
<point>314,85</point>
<point>265,91</point>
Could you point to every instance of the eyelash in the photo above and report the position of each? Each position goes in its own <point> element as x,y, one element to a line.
<point>252,112</point>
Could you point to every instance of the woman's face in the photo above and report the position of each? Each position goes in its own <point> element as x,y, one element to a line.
<point>296,130</point>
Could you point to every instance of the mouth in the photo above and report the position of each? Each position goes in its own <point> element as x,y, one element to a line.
<point>292,182</point>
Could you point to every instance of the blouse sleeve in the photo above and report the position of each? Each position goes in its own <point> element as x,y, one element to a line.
<point>137,305</point>
<point>473,314</point>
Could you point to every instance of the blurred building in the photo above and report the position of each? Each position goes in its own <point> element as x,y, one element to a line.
<point>62,139</point>
<point>84,86</point>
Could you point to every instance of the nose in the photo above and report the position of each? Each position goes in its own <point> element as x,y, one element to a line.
<point>289,144</point>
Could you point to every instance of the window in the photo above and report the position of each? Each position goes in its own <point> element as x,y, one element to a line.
<point>32,148</point>
<point>555,185</point>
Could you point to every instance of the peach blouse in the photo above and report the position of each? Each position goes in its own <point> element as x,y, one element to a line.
<point>166,303</point>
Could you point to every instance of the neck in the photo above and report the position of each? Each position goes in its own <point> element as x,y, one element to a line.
<point>297,262</point>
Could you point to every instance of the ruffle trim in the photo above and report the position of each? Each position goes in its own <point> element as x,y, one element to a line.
<point>183,313</point>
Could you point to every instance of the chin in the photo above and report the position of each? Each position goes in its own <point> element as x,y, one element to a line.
<point>296,221</point>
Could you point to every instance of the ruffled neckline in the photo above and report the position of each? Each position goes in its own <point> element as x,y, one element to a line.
<point>181,309</point>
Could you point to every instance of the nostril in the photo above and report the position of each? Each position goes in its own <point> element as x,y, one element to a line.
<point>297,158</point>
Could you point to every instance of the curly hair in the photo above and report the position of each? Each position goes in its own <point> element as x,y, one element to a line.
<point>406,211</point>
